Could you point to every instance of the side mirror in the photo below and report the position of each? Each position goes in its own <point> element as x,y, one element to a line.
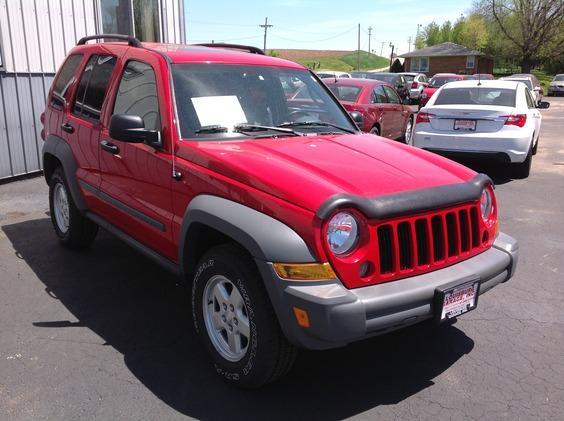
<point>357,118</point>
<point>543,105</point>
<point>131,128</point>
<point>537,89</point>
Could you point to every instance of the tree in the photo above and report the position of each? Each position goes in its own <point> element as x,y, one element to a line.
<point>457,30</point>
<point>474,33</point>
<point>432,34</point>
<point>534,26</point>
<point>446,31</point>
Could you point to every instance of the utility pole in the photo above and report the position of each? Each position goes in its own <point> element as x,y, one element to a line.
<point>409,44</point>
<point>391,55</point>
<point>369,38</point>
<point>265,26</point>
<point>382,49</point>
<point>358,51</point>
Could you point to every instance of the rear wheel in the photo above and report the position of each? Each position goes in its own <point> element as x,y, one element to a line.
<point>235,320</point>
<point>375,130</point>
<point>74,230</point>
<point>535,148</point>
<point>523,169</point>
<point>408,131</point>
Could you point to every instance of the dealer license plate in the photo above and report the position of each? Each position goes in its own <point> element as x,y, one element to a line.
<point>469,125</point>
<point>454,301</point>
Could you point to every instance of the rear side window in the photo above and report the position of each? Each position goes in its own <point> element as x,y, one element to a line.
<point>345,93</point>
<point>93,86</point>
<point>65,80</point>
<point>137,94</point>
<point>477,96</point>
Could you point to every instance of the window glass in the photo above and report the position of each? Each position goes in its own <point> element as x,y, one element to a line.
<point>116,16</point>
<point>345,93</point>
<point>470,62</point>
<point>438,81</point>
<point>226,95</point>
<point>409,78</point>
<point>65,79</point>
<point>137,94</point>
<point>476,96</point>
<point>379,95</point>
<point>392,96</point>
<point>93,85</point>
<point>419,64</point>
<point>146,20</point>
<point>529,98</point>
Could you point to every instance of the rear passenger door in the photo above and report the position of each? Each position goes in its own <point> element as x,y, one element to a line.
<point>81,126</point>
<point>396,113</point>
<point>384,109</point>
<point>136,177</point>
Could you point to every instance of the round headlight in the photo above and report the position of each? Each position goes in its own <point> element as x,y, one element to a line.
<point>486,204</point>
<point>342,233</point>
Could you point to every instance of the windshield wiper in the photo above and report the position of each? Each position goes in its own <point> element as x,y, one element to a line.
<point>315,123</point>
<point>214,128</point>
<point>258,128</point>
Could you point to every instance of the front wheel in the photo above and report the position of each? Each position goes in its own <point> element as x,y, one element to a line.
<point>235,320</point>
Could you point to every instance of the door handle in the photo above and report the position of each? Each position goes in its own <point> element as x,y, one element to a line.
<point>109,147</point>
<point>67,127</point>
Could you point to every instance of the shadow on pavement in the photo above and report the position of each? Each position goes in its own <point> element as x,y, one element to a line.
<point>137,308</point>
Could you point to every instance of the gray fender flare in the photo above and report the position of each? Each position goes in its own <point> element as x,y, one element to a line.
<point>61,150</point>
<point>264,237</point>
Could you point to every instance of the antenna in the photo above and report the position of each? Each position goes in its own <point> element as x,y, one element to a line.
<point>479,81</point>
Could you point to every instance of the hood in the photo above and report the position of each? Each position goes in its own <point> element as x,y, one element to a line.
<point>306,171</point>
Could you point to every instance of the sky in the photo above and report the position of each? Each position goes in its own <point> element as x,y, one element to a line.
<point>317,24</point>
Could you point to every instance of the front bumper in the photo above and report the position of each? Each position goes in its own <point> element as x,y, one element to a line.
<point>339,315</point>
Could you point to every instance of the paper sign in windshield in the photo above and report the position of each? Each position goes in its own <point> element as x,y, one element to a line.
<point>221,110</point>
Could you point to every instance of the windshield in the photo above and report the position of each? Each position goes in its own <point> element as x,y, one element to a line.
<point>558,78</point>
<point>525,81</point>
<point>345,93</point>
<point>476,96</point>
<point>213,99</point>
<point>437,82</point>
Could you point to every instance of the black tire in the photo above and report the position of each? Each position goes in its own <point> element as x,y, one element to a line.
<point>375,130</point>
<point>81,232</point>
<point>268,355</point>
<point>536,147</point>
<point>522,169</point>
<point>407,138</point>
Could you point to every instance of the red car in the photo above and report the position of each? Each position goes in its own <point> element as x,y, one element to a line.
<point>292,228</point>
<point>379,103</point>
<point>435,83</point>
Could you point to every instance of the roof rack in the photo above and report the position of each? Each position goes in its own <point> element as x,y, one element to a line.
<point>248,48</point>
<point>132,41</point>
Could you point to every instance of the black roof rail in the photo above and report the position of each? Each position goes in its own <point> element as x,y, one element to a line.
<point>248,48</point>
<point>132,41</point>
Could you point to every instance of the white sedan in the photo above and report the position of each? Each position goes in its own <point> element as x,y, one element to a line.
<point>489,119</point>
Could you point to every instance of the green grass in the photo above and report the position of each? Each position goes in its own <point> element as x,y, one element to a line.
<point>346,63</point>
<point>367,61</point>
<point>544,79</point>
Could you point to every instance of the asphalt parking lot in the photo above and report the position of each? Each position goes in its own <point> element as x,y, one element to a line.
<point>107,334</point>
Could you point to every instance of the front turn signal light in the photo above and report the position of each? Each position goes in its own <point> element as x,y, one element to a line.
<point>304,271</point>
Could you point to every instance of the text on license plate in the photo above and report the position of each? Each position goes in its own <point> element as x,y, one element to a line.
<point>465,125</point>
<point>459,300</point>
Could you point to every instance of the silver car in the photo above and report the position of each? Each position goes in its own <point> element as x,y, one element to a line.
<point>417,82</point>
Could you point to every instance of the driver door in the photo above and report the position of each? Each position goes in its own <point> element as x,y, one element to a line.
<point>136,177</point>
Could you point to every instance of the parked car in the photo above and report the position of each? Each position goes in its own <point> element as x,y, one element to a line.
<point>417,82</point>
<point>435,83</point>
<point>291,227</point>
<point>359,75</point>
<point>495,120</point>
<point>556,87</point>
<point>397,80</point>
<point>380,105</point>
<point>532,83</point>
<point>327,74</point>
<point>480,76</point>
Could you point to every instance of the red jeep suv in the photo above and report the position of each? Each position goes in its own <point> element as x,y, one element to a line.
<point>292,228</point>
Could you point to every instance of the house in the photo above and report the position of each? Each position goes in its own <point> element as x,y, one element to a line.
<point>35,37</point>
<point>447,57</point>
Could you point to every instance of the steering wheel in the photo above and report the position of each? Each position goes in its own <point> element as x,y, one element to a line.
<point>297,114</point>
